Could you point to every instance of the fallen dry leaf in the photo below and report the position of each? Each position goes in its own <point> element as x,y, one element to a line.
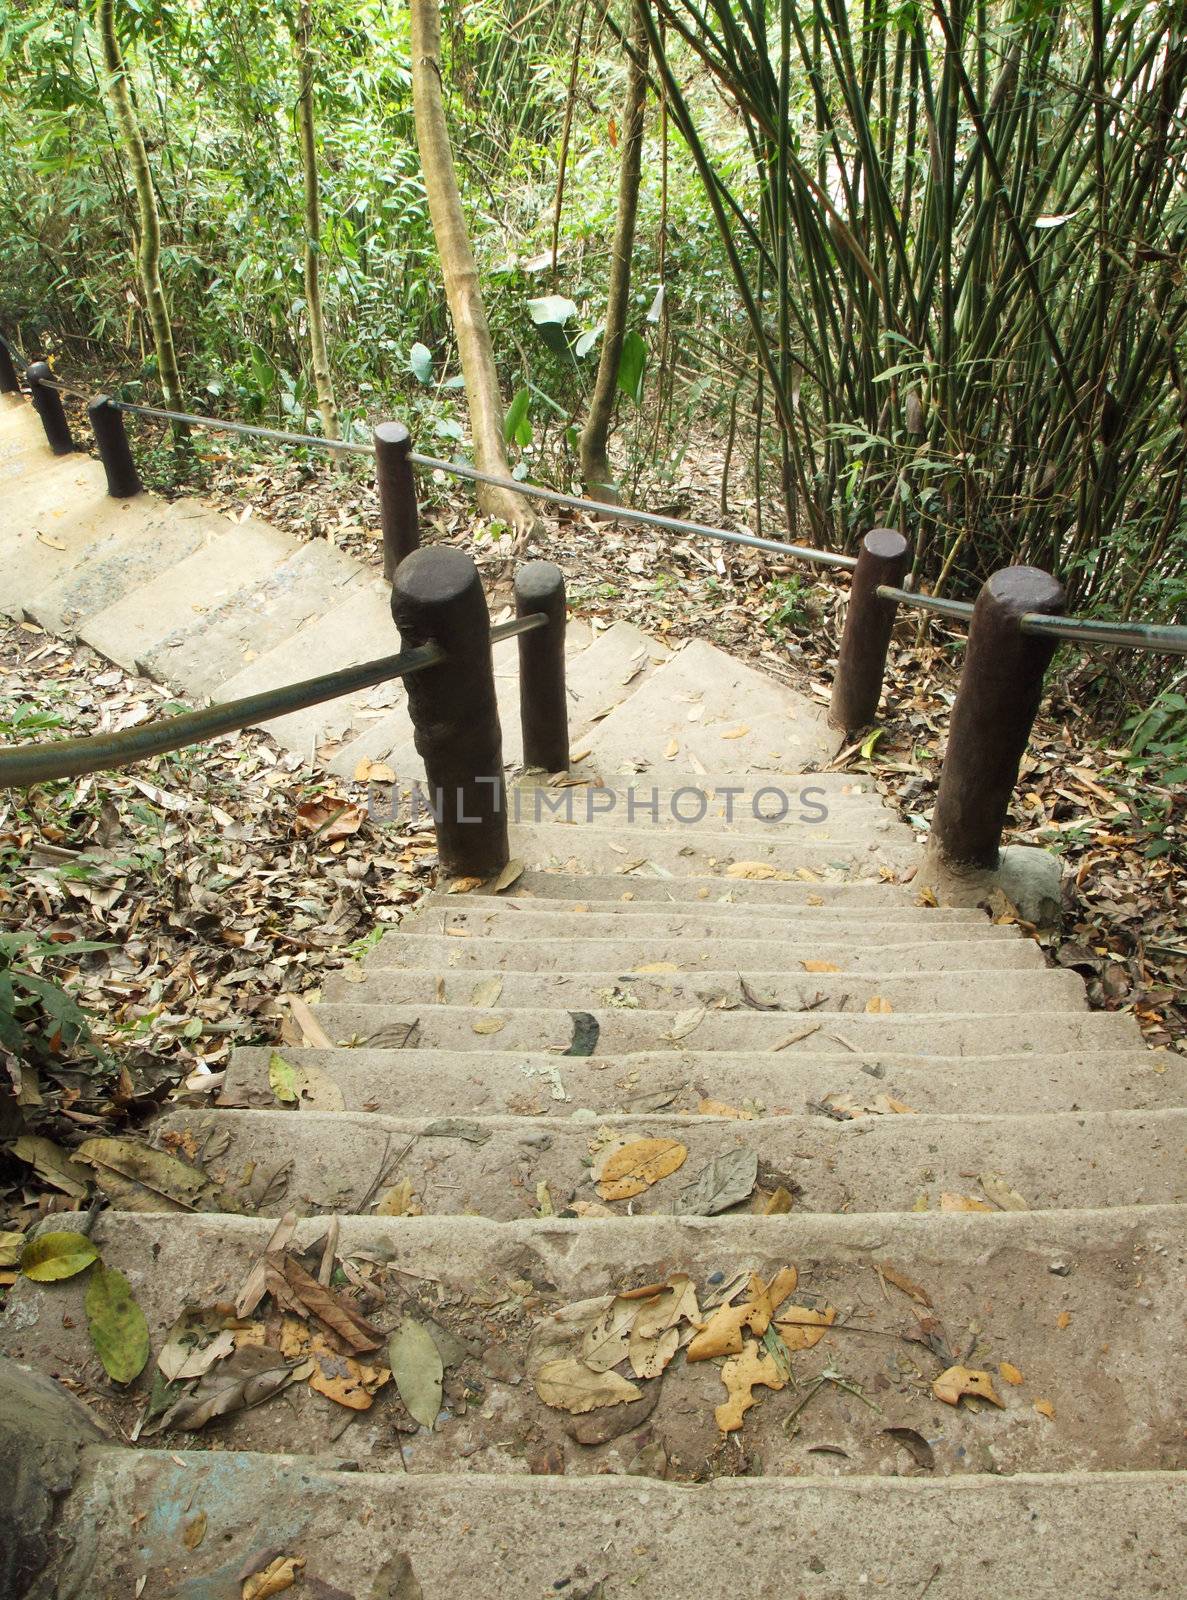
<point>999,1191</point>
<point>605,1343</point>
<point>490,1025</point>
<point>722,1334</point>
<point>779,1203</point>
<point>1008,1372</point>
<point>718,1108</point>
<point>757,870</point>
<point>1063,1320</point>
<point>276,1577</point>
<point>903,1283</point>
<point>878,1005</point>
<point>637,1165</point>
<point>820,966</point>
<point>736,733</point>
<point>958,1381</point>
<point>801,1328</point>
<point>328,819</point>
<point>193,1531</point>
<point>569,1385</point>
<point>742,1374</point>
<point>1045,1409</point>
<point>961,1202</point>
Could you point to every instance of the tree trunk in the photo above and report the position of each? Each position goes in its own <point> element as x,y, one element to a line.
<point>322,379</point>
<point>595,463</point>
<point>458,270</point>
<point>148,257</point>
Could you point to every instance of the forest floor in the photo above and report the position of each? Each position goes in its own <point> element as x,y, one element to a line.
<point>226,881</point>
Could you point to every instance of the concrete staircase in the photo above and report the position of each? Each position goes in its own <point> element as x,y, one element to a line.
<point>976,1171</point>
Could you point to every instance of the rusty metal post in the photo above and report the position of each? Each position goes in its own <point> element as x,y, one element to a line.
<point>9,382</point>
<point>543,708</point>
<point>48,405</point>
<point>107,423</point>
<point>437,599</point>
<point>996,704</point>
<point>861,666</point>
<point>397,495</point>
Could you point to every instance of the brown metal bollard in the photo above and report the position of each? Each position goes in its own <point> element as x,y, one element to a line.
<point>111,439</point>
<point>437,598</point>
<point>9,382</point>
<point>543,708</point>
<point>861,666</point>
<point>48,405</point>
<point>996,704</point>
<point>397,495</point>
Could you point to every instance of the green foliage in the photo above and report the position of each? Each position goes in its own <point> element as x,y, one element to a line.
<point>787,600</point>
<point>38,1018</point>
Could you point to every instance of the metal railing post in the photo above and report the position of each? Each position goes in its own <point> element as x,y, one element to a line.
<point>111,439</point>
<point>543,708</point>
<point>997,701</point>
<point>48,405</point>
<point>861,665</point>
<point>437,599</point>
<point>397,495</point>
<point>9,382</point>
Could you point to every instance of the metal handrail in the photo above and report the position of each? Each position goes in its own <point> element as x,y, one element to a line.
<point>23,765</point>
<point>1161,638</point>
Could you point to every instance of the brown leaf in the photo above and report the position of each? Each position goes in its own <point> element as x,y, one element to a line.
<point>328,819</point>
<point>779,1203</point>
<point>193,1530</point>
<point>637,1165</point>
<point>961,1202</point>
<point>278,1576</point>
<point>958,1381</point>
<point>333,1310</point>
<point>1008,1372</point>
<point>722,1334</point>
<point>820,966</point>
<point>718,1108</point>
<point>569,1385</point>
<point>903,1283</point>
<point>800,1327</point>
<point>877,1004</point>
<point>915,1444</point>
<point>741,1374</point>
<point>246,1378</point>
<point>1045,1409</point>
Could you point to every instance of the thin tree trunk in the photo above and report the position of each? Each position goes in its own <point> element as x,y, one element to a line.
<point>323,382</point>
<point>148,257</point>
<point>595,462</point>
<point>457,268</point>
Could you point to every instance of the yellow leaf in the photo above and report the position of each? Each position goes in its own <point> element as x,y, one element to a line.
<point>276,1577</point>
<point>778,1204</point>
<point>1063,1320</point>
<point>753,869</point>
<point>736,733</point>
<point>638,1165</point>
<point>926,897</point>
<point>194,1531</point>
<point>718,1108</point>
<point>1045,1409</point>
<point>1008,1372</point>
<point>722,1334</point>
<point>654,966</point>
<point>490,1024</point>
<point>672,749</point>
<point>571,1386</point>
<point>464,885</point>
<point>962,1202</point>
<point>957,1381</point>
<point>878,1005</point>
<point>741,1375</point>
<point>903,1283</point>
<point>800,1328</point>
<point>819,966</point>
<point>398,1202</point>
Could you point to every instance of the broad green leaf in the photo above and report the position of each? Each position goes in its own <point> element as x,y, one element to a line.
<point>632,364</point>
<point>53,1256</point>
<point>516,426</point>
<point>118,1330</point>
<point>870,740</point>
<point>282,1079</point>
<point>420,362</point>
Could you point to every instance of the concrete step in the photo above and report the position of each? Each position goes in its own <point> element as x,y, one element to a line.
<point>620,654</point>
<point>438,1027</point>
<point>487,1083</point>
<point>880,1162</point>
<point>645,886</point>
<point>458,916</point>
<point>608,897</point>
<point>694,852</point>
<point>718,713</point>
<point>110,569</point>
<point>128,630</point>
<point>1095,1339</point>
<point>45,543</point>
<point>1043,990</point>
<point>359,628</point>
<point>204,653</point>
<point>795,956</point>
<point>510,1537</point>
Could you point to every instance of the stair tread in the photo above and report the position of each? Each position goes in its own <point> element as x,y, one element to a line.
<point>495,1283</point>
<point>883,1163</point>
<point>520,1535</point>
<point>468,1082</point>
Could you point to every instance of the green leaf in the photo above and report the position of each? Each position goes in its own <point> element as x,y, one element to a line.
<point>632,364</point>
<point>118,1330</point>
<point>282,1079</point>
<point>870,740</point>
<point>420,362</point>
<point>53,1256</point>
<point>516,427</point>
<point>417,1369</point>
